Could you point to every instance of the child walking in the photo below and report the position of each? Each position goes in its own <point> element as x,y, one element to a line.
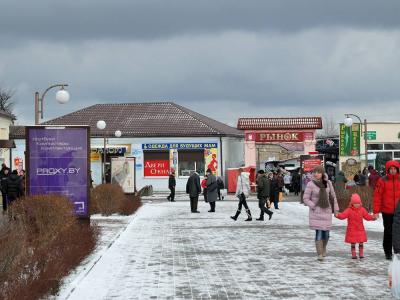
<point>355,233</point>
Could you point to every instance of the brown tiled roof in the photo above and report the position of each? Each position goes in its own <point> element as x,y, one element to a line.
<point>157,119</point>
<point>279,123</point>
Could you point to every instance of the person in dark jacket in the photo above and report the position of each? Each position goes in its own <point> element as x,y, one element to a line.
<point>171,186</point>
<point>296,183</point>
<point>373,177</point>
<point>275,190</point>
<point>193,188</point>
<point>386,197</point>
<point>221,186</point>
<point>13,186</point>
<point>4,173</point>
<point>396,230</point>
<point>263,192</point>
<point>212,187</point>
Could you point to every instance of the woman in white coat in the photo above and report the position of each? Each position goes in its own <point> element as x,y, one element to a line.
<point>242,191</point>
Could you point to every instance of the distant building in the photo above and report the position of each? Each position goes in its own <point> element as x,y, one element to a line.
<point>6,145</point>
<point>278,139</point>
<point>162,136</point>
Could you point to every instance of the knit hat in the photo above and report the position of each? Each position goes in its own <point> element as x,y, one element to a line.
<point>319,169</point>
<point>355,199</point>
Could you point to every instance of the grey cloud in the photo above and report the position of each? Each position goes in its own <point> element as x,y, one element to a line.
<point>305,73</point>
<point>159,19</point>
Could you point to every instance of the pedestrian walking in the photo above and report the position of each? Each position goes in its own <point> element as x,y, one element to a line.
<point>320,197</point>
<point>386,197</point>
<point>355,233</point>
<point>275,190</point>
<point>171,186</point>
<point>263,192</point>
<point>193,188</point>
<point>204,187</point>
<point>242,191</point>
<point>13,187</point>
<point>296,183</point>
<point>287,179</point>
<point>373,177</point>
<point>394,267</point>
<point>221,186</point>
<point>212,187</point>
<point>4,173</point>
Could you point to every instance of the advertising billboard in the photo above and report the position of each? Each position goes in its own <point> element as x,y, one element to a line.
<point>349,140</point>
<point>123,173</point>
<point>58,163</point>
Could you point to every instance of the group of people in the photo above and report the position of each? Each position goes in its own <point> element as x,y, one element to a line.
<point>360,178</point>
<point>320,197</point>
<point>11,185</point>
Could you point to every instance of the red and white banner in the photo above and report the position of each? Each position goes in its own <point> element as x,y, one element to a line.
<point>156,167</point>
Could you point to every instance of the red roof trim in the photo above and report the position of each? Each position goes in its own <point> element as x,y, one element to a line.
<point>280,123</point>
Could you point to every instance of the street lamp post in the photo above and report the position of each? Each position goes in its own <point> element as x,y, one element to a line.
<point>102,125</point>
<point>62,96</point>
<point>348,122</point>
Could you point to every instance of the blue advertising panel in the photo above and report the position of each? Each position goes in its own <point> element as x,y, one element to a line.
<point>57,162</point>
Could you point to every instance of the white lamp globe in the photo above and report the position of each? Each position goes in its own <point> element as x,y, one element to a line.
<point>62,96</point>
<point>118,133</point>
<point>348,122</point>
<point>101,124</point>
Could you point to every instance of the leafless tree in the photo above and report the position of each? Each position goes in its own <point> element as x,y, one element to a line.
<point>329,127</point>
<point>6,102</point>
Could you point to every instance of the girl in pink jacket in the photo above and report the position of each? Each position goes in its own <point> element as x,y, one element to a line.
<point>355,233</point>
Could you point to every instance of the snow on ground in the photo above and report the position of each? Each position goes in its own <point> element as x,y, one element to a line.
<point>166,252</point>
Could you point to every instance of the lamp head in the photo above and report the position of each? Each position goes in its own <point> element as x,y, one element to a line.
<point>348,122</point>
<point>101,124</point>
<point>118,133</point>
<point>62,96</point>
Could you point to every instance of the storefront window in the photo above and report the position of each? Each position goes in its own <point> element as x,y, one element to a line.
<point>381,159</point>
<point>375,146</point>
<point>156,163</point>
<point>392,146</point>
<point>396,154</point>
<point>191,160</point>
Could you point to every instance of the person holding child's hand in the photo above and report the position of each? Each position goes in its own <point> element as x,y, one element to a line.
<point>355,233</point>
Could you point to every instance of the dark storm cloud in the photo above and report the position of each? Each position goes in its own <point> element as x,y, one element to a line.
<point>150,19</point>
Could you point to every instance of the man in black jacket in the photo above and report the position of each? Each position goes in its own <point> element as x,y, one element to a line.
<point>13,186</point>
<point>4,173</point>
<point>193,188</point>
<point>263,193</point>
<point>171,186</point>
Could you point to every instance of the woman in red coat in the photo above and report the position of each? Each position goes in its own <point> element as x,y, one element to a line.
<point>355,233</point>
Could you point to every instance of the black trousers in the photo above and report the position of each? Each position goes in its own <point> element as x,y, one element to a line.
<point>263,208</point>
<point>172,194</point>
<point>193,203</point>
<point>387,233</point>
<point>4,195</point>
<point>212,206</point>
<point>242,202</point>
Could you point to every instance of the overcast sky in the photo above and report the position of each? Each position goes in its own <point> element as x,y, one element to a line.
<point>224,59</point>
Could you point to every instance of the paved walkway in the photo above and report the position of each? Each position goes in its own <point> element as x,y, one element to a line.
<point>168,253</point>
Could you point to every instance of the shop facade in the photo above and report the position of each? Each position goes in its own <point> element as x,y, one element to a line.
<point>383,144</point>
<point>176,139</point>
<point>269,140</point>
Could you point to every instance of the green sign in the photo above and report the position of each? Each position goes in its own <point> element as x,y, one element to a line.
<point>371,135</point>
<point>349,140</point>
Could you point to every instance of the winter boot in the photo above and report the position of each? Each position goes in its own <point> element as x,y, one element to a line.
<point>248,215</point>
<point>324,244</point>
<point>270,215</point>
<point>353,251</point>
<point>361,251</point>
<point>261,218</point>
<point>236,215</point>
<point>319,247</point>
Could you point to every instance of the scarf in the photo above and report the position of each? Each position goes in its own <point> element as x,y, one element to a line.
<point>323,201</point>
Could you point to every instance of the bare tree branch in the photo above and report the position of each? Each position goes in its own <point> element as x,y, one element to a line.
<point>6,103</point>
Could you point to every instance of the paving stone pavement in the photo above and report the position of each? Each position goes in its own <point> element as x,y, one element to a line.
<point>166,252</point>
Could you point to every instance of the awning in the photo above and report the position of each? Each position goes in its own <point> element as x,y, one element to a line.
<point>7,144</point>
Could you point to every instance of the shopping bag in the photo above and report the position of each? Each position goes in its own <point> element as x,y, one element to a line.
<point>280,197</point>
<point>224,192</point>
<point>395,274</point>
